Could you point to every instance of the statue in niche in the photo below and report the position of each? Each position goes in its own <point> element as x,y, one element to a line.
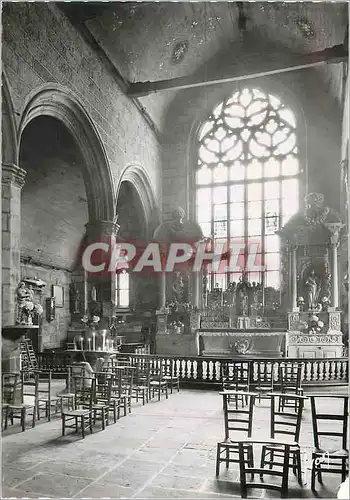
<point>178,288</point>
<point>243,292</point>
<point>255,292</point>
<point>74,297</point>
<point>312,288</point>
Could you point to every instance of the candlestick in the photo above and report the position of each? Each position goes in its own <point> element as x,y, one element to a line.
<point>103,341</point>
<point>89,342</point>
<point>93,341</point>
<point>81,343</point>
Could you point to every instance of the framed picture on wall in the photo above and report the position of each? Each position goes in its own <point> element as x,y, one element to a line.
<point>57,293</point>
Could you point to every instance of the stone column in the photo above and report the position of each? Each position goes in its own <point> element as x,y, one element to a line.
<point>335,228</point>
<point>13,178</point>
<point>162,289</point>
<point>102,231</point>
<point>294,276</point>
<point>195,288</point>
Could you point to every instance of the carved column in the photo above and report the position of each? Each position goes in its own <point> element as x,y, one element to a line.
<point>335,228</point>
<point>13,178</point>
<point>294,276</point>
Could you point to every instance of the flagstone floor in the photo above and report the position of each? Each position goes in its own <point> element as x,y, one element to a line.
<point>164,449</point>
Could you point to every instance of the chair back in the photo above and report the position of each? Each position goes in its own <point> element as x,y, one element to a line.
<point>74,371</point>
<point>283,423</point>
<point>247,468</point>
<point>290,377</point>
<point>84,390</point>
<point>121,360</point>
<point>45,384</point>
<point>103,389</point>
<point>9,388</point>
<point>265,373</point>
<point>29,387</point>
<point>238,419</point>
<point>324,425</point>
<point>142,371</point>
<point>168,367</point>
<point>235,375</point>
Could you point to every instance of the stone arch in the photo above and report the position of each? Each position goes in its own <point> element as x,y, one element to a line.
<point>9,136</point>
<point>136,175</point>
<point>58,102</point>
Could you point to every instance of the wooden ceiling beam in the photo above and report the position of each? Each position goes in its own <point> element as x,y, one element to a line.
<point>333,55</point>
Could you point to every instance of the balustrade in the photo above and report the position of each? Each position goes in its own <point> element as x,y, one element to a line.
<point>208,371</point>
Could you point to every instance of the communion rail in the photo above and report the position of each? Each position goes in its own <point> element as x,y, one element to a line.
<point>200,371</point>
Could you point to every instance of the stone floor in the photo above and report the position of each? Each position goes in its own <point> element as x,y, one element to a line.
<point>165,449</point>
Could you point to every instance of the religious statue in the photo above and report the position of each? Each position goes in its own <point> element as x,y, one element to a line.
<point>178,288</point>
<point>256,287</point>
<point>243,305</point>
<point>74,297</point>
<point>30,293</point>
<point>312,288</point>
<point>22,298</point>
<point>243,290</point>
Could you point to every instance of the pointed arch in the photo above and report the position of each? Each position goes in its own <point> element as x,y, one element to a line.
<point>60,103</point>
<point>136,175</point>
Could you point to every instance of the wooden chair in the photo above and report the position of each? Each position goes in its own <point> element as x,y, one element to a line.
<point>246,467</point>
<point>238,424</point>
<point>284,426</point>
<point>265,379</point>
<point>29,400</point>
<point>81,416</point>
<point>46,401</point>
<point>236,377</point>
<point>329,458</point>
<point>68,398</point>
<point>290,380</point>
<point>127,378</point>
<point>173,380</point>
<point>10,387</point>
<point>101,400</point>
<point>157,384</point>
<point>141,387</point>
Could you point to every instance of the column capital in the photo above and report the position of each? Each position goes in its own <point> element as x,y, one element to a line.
<point>102,228</point>
<point>13,174</point>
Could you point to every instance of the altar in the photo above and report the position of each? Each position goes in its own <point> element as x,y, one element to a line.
<point>309,246</point>
<point>232,342</point>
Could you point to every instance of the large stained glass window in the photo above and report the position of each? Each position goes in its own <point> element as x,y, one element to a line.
<point>247,179</point>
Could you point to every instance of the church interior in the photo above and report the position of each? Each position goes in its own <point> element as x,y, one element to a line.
<point>175,249</point>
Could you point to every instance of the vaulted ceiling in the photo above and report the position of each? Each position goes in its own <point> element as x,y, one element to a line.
<point>150,41</point>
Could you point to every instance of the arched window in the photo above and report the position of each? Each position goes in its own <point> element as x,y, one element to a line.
<point>247,178</point>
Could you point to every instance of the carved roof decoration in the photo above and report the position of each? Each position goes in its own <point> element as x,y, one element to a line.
<point>311,221</point>
<point>179,229</point>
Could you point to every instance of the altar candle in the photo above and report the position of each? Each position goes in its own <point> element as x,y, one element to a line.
<point>89,342</point>
<point>81,343</point>
<point>103,341</point>
<point>93,341</point>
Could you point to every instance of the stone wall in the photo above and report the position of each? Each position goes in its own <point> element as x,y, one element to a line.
<point>40,46</point>
<point>53,333</point>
